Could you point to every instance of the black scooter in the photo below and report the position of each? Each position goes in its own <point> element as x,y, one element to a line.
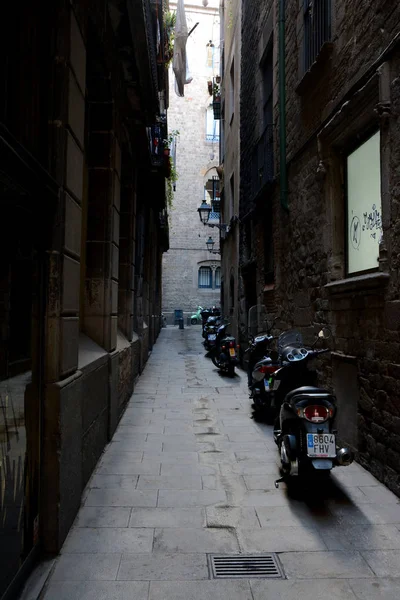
<point>224,355</point>
<point>210,332</point>
<point>261,381</point>
<point>304,430</point>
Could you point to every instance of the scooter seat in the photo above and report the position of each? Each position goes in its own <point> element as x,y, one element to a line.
<point>307,391</point>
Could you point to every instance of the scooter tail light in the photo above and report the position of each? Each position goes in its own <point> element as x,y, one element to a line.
<point>232,344</point>
<point>267,369</point>
<point>223,347</point>
<point>237,345</point>
<point>315,413</point>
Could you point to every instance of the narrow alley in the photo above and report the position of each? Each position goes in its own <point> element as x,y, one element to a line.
<point>189,474</point>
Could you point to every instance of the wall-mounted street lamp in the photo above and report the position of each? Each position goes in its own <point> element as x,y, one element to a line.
<point>204,213</point>
<point>210,246</point>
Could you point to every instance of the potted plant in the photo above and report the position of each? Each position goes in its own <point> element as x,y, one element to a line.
<point>168,141</point>
<point>169,28</point>
<point>216,92</point>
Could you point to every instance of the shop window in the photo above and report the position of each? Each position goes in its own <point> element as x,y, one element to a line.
<point>364,207</point>
<point>205,277</point>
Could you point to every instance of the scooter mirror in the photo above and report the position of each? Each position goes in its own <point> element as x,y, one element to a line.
<point>325,333</point>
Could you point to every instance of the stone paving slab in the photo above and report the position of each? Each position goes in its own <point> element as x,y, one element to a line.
<point>106,540</point>
<point>121,497</point>
<point>200,590</point>
<point>232,517</point>
<point>84,567</point>
<point>188,473</point>
<point>97,590</point>
<point>168,482</point>
<point>147,467</point>
<point>362,537</point>
<point>375,589</point>
<point>188,498</point>
<point>333,589</point>
<point>325,565</point>
<point>195,540</point>
<point>94,516</point>
<point>280,539</point>
<point>384,563</point>
<point>168,517</point>
<point>165,566</point>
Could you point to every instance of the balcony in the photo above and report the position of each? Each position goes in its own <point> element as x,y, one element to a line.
<point>157,133</point>
<point>263,162</point>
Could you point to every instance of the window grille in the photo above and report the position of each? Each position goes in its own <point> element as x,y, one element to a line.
<point>317,28</point>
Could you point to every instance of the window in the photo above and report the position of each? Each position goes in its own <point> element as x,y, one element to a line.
<point>210,55</point>
<point>218,277</point>
<point>232,196</point>
<point>205,277</point>
<point>317,28</point>
<point>268,246</point>
<point>232,91</point>
<point>212,126</point>
<point>267,86</point>
<point>364,207</point>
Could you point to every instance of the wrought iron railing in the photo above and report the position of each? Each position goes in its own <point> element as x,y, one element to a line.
<point>263,161</point>
<point>317,29</point>
<point>157,133</point>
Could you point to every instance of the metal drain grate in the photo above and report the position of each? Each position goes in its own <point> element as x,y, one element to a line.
<point>253,566</point>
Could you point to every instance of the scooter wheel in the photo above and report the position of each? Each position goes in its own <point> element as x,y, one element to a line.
<point>215,360</point>
<point>193,321</point>
<point>231,370</point>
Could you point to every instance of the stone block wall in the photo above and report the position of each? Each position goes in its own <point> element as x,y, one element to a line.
<point>93,353</point>
<point>352,88</point>
<point>194,166</point>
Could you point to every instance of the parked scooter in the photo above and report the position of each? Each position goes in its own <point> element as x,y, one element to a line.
<point>262,360</point>
<point>260,390</point>
<point>224,355</point>
<point>210,332</point>
<point>304,429</point>
<point>260,338</point>
<point>209,312</point>
<point>196,317</point>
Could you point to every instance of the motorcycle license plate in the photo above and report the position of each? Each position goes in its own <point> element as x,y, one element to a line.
<point>212,336</point>
<point>232,351</point>
<point>321,445</point>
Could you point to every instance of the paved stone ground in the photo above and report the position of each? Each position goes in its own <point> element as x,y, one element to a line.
<point>190,473</point>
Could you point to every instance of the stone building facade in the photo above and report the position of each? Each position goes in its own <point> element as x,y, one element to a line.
<point>231,21</point>
<point>191,275</point>
<point>322,245</point>
<point>80,286</point>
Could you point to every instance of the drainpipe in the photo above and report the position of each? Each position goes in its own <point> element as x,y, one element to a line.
<point>282,107</point>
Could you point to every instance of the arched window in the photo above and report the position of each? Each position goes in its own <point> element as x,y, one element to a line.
<point>205,277</point>
<point>218,277</point>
